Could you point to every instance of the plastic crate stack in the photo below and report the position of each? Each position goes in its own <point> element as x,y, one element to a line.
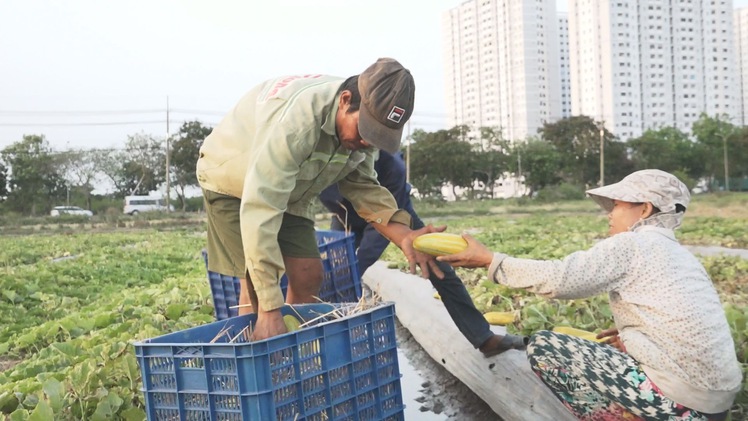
<point>341,282</point>
<point>341,369</point>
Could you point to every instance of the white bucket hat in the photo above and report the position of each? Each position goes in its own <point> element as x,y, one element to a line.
<point>663,190</point>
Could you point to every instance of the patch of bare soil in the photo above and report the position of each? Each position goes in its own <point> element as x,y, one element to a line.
<point>733,210</point>
<point>121,225</point>
<point>7,363</point>
<point>440,392</point>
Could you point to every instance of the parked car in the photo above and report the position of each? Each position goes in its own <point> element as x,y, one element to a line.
<point>136,204</point>
<point>70,210</point>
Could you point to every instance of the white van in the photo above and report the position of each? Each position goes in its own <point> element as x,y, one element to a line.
<point>137,204</point>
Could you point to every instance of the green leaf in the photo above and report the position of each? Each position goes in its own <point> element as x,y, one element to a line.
<point>31,400</point>
<point>103,412</point>
<point>19,414</point>
<point>103,320</point>
<point>8,402</point>
<point>80,377</point>
<point>114,399</point>
<point>10,295</point>
<point>132,369</point>
<point>66,348</point>
<point>175,311</point>
<point>55,393</point>
<point>26,340</point>
<point>106,408</point>
<point>118,348</point>
<point>42,412</point>
<point>67,324</point>
<point>133,414</point>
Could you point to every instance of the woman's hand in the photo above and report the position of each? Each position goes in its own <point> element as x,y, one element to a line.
<point>611,338</point>
<point>476,255</point>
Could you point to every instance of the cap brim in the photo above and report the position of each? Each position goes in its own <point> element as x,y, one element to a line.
<point>604,196</point>
<point>378,134</point>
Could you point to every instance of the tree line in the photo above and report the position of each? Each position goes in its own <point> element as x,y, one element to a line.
<point>34,177</point>
<point>567,152</point>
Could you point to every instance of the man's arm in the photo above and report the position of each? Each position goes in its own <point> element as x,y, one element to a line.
<point>377,206</point>
<point>268,184</point>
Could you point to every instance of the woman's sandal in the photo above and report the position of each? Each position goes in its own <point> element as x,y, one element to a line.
<point>497,344</point>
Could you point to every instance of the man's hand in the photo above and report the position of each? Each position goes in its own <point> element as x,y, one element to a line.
<point>476,255</point>
<point>416,258</point>
<point>269,324</point>
<point>612,338</point>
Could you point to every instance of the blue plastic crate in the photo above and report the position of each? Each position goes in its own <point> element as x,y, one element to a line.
<point>344,369</point>
<point>341,282</point>
<point>225,291</point>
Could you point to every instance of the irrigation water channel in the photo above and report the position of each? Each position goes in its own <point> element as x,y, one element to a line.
<point>431,393</point>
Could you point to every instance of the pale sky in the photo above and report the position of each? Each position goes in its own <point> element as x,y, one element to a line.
<point>119,60</point>
<point>127,56</point>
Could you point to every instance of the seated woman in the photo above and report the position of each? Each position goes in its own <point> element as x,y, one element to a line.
<point>670,355</point>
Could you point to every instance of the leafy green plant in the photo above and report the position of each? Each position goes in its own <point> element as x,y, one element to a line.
<point>67,324</point>
<point>72,301</point>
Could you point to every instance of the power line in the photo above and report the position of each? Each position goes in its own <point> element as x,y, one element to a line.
<point>110,123</point>
<point>189,111</point>
<point>69,113</point>
<point>150,111</point>
<point>68,151</point>
<point>103,112</point>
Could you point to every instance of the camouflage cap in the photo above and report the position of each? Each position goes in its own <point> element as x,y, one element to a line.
<point>663,190</point>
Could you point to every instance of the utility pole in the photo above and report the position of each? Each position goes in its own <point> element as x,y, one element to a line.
<point>724,150</point>
<point>168,163</point>
<point>602,152</point>
<point>519,170</point>
<point>727,176</point>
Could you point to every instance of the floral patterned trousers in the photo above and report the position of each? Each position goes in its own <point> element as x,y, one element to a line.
<point>597,382</point>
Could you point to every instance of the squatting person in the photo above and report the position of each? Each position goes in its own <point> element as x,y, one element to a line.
<point>670,354</point>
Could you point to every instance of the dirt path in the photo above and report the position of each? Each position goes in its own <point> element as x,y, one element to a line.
<point>708,251</point>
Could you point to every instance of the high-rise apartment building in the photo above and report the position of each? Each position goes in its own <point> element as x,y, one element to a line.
<point>641,64</point>
<point>740,28</point>
<point>502,65</point>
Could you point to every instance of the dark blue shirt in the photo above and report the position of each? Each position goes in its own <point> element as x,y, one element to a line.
<point>369,243</point>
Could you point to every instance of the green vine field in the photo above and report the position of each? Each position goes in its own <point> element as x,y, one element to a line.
<point>72,301</point>
<point>72,304</point>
